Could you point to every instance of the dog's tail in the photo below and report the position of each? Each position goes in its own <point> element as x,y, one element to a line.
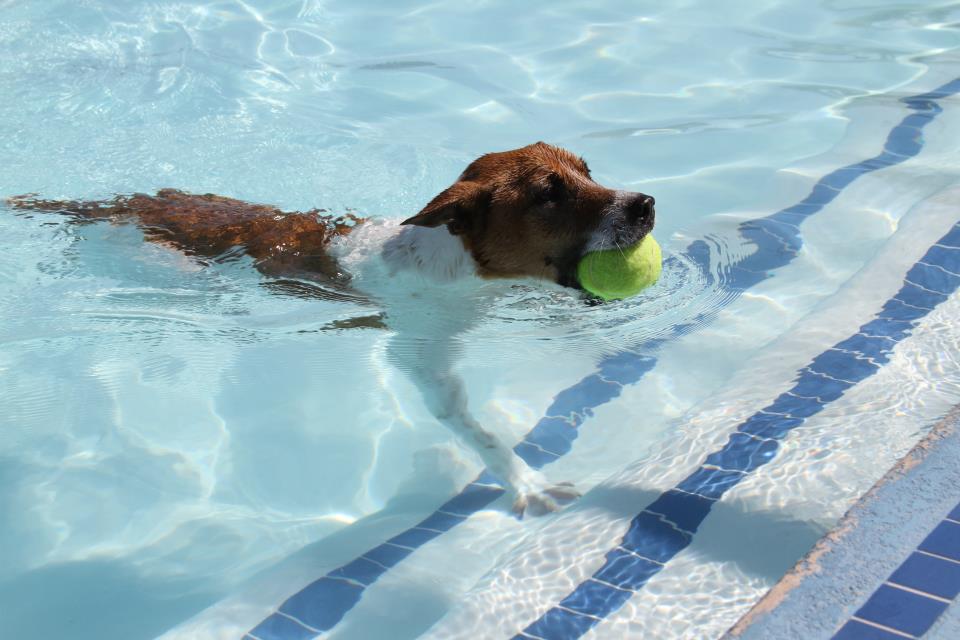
<point>169,208</point>
<point>79,210</point>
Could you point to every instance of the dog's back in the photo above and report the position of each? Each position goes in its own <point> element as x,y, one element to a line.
<point>210,226</point>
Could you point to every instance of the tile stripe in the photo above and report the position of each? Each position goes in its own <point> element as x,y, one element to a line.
<point>919,590</point>
<point>778,241</point>
<point>667,525</point>
<point>863,630</point>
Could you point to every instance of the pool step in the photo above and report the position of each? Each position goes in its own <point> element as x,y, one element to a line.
<point>890,569</point>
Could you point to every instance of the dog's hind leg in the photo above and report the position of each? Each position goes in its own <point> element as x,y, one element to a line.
<point>428,362</point>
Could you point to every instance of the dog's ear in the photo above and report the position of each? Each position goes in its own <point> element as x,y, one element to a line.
<point>455,207</point>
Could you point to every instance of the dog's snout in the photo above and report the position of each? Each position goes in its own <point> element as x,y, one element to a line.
<point>641,208</point>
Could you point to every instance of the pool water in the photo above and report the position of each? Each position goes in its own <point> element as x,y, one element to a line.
<point>185,445</point>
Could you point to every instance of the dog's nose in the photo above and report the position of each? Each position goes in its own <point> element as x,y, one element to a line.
<point>641,208</point>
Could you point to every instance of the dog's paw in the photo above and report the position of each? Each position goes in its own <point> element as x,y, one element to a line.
<point>543,499</point>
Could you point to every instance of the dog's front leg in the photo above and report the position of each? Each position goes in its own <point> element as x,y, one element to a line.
<point>428,363</point>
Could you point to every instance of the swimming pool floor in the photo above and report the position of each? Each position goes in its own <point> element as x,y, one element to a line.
<point>665,526</point>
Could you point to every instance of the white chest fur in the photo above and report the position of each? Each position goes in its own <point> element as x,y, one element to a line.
<point>383,256</point>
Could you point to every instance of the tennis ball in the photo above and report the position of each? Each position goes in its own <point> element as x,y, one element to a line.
<point>614,274</point>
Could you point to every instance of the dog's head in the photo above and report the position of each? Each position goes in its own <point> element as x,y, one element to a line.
<point>534,212</point>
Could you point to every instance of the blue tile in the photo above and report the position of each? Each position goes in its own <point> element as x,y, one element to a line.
<point>801,210</point>
<point>795,406</point>
<point>685,510</point>
<point>277,627</point>
<point>710,483</point>
<point>812,384</point>
<point>743,453</point>
<point>918,297</point>
<point>884,160</point>
<point>361,570</point>
<point>877,162</point>
<point>595,599</point>
<point>699,253</point>
<point>930,575</point>
<point>627,367</point>
<point>906,141</point>
<point>944,541</point>
<point>934,278</point>
<point>773,235</point>
<point>952,239</point>
<point>895,330</point>
<point>322,604</point>
<point>821,194</point>
<point>922,103</point>
<point>841,178</point>
<point>955,514</point>
<point>560,624</point>
<point>842,365</point>
<point>590,392</point>
<point>683,328</point>
<point>627,571</point>
<point>948,259</point>
<point>769,425</point>
<point>486,477</point>
<point>555,435</point>
<point>795,215</point>
<point>896,309</point>
<point>651,537</point>
<point>414,538</point>
<point>441,521</point>
<point>855,630</point>
<point>387,555</point>
<point>901,610</point>
<point>758,266</point>
<point>535,456</point>
<point>877,348</point>
<point>473,498</point>
<point>917,120</point>
<point>738,278</point>
<point>945,90</point>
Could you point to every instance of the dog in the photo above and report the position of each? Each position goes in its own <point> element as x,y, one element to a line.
<point>529,213</point>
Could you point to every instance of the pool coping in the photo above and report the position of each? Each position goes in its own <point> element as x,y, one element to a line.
<point>830,584</point>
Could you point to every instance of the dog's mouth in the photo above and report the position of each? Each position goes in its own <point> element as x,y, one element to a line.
<point>635,233</point>
<point>625,222</point>
<point>623,227</point>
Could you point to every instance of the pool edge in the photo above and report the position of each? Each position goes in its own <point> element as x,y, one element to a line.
<point>826,587</point>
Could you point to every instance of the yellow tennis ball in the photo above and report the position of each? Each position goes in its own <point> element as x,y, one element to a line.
<point>614,274</point>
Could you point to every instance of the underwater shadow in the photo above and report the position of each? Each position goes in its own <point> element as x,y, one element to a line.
<point>763,543</point>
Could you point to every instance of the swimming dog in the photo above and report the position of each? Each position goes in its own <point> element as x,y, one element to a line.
<point>529,213</point>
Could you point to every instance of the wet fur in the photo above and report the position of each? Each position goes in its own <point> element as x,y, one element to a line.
<point>280,243</point>
<point>527,213</point>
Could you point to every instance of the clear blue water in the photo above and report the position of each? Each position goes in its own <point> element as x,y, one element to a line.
<point>170,428</point>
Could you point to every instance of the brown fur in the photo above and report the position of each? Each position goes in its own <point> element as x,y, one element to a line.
<point>528,212</point>
<point>523,213</point>
<point>282,244</point>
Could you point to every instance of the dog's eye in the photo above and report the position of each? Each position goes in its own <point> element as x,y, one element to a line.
<point>554,190</point>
